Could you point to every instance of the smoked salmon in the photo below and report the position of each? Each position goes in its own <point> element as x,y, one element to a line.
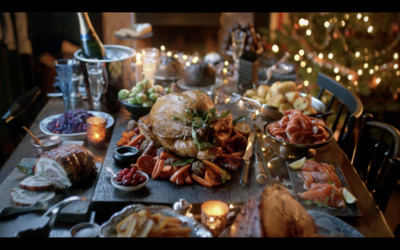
<point>325,195</point>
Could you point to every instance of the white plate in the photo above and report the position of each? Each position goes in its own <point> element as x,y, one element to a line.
<point>130,188</point>
<point>75,136</point>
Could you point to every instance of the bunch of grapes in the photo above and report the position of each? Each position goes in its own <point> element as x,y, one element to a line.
<point>73,121</point>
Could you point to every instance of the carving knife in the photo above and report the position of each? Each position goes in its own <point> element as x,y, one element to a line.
<point>246,157</point>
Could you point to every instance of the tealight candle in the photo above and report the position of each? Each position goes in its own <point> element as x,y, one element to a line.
<point>96,131</point>
<point>213,215</point>
<point>138,68</point>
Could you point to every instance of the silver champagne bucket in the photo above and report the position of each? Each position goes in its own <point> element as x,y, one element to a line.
<point>118,74</point>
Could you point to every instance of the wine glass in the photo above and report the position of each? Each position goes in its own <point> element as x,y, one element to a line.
<point>96,81</point>
<point>65,69</point>
<point>238,42</point>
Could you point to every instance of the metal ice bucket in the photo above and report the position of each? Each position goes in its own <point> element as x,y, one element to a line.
<point>119,74</point>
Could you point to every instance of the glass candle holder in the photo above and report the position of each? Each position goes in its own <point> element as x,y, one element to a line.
<point>213,216</point>
<point>96,131</point>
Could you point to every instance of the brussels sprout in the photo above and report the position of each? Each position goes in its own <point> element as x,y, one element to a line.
<point>152,90</point>
<point>133,92</point>
<point>140,86</point>
<point>123,94</point>
<point>132,100</point>
<point>147,83</point>
<point>148,104</point>
<point>141,98</point>
<point>154,96</point>
<point>158,88</point>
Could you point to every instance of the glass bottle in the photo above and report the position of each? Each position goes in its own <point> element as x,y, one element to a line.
<point>92,47</point>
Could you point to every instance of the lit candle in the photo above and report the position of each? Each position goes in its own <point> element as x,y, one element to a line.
<point>213,216</point>
<point>138,68</point>
<point>96,131</point>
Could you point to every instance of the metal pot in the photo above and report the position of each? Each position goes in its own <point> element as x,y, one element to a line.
<point>118,74</point>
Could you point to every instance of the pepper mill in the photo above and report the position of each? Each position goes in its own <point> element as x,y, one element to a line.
<point>75,96</point>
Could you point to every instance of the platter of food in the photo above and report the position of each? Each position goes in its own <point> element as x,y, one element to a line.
<point>321,186</point>
<point>197,162</point>
<point>151,221</point>
<point>280,96</point>
<point>276,213</point>
<point>71,125</point>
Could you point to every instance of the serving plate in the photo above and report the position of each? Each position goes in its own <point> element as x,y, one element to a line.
<point>107,229</point>
<point>75,136</point>
<point>351,210</point>
<point>330,226</point>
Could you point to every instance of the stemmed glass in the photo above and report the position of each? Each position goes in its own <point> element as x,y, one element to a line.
<point>96,81</point>
<point>238,42</point>
<point>65,69</point>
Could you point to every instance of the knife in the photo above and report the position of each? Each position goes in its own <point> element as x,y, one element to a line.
<point>261,175</point>
<point>246,158</point>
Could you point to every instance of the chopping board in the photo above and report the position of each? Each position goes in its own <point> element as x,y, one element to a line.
<point>74,212</point>
<point>164,192</point>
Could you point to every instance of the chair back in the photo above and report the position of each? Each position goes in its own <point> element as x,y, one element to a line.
<point>347,109</point>
<point>22,112</point>
<point>377,158</point>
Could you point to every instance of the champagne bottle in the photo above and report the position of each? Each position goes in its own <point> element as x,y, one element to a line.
<point>91,45</point>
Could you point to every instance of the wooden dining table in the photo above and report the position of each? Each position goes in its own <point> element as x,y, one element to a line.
<point>104,199</point>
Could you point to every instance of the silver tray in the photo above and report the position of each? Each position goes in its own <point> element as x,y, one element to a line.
<point>107,229</point>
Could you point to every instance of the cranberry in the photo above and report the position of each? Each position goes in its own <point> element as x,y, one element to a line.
<point>142,179</point>
<point>125,171</point>
<point>133,170</point>
<point>134,182</point>
<point>129,175</point>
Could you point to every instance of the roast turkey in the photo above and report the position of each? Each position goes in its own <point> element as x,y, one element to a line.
<point>170,123</point>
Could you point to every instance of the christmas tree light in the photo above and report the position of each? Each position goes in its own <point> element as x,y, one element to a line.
<point>360,50</point>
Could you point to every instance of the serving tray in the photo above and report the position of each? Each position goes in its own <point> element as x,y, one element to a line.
<point>351,210</point>
<point>164,192</point>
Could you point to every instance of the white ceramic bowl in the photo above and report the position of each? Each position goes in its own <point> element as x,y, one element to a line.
<point>130,188</point>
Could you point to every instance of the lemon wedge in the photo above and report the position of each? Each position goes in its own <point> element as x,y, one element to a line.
<point>243,128</point>
<point>348,196</point>
<point>296,165</point>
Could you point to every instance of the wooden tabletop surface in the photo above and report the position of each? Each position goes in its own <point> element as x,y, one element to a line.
<point>105,200</point>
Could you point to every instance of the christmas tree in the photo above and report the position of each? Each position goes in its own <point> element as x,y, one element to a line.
<point>359,50</point>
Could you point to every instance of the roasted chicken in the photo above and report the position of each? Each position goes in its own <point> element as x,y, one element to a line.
<point>185,124</point>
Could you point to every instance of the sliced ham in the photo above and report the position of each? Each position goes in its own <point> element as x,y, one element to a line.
<point>59,168</point>
<point>66,165</point>
<point>36,183</point>
<point>23,197</point>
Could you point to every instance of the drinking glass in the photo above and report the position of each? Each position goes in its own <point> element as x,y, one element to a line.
<point>65,69</point>
<point>150,62</point>
<point>96,81</point>
<point>238,41</point>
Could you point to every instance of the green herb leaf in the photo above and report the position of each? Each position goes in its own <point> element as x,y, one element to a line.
<point>182,162</point>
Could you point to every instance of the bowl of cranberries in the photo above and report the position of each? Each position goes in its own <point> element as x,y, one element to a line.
<point>129,179</point>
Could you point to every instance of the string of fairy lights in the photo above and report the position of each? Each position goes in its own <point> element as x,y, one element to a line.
<point>371,65</point>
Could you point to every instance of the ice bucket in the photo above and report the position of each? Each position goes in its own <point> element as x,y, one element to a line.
<point>118,72</point>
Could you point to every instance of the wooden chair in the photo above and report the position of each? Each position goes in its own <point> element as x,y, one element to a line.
<point>377,158</point>
<point>347,109</point>
<point>22,112</point>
